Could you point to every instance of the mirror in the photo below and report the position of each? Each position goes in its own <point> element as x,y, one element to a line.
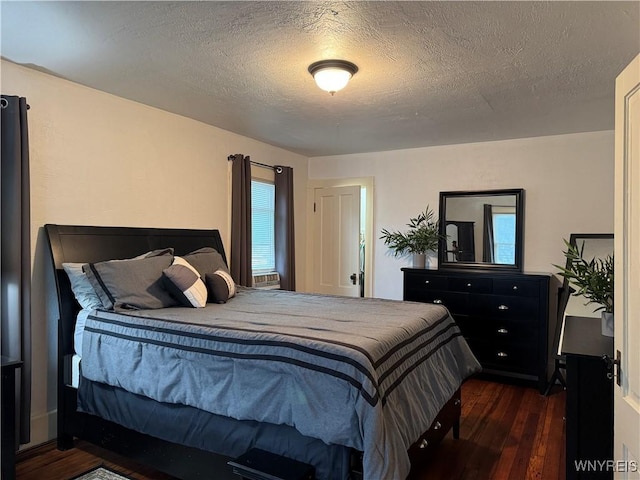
<point>596,245</point>
<point>481,229</point>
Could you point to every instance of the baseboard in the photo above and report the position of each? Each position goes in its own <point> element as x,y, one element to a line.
<point>35,451</point>
<point>43,430</point>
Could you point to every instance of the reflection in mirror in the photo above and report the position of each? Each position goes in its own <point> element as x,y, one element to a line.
<point>482,229</point>
<point>596,245</point>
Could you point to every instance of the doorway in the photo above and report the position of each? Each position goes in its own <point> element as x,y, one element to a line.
<point>340,236</point>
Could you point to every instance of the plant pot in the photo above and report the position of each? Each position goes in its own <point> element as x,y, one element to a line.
<point>607,324</point>
<point>419,260</point>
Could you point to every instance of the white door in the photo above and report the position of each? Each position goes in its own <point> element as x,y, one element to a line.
<point>336,234</point>
<point>627,273</point>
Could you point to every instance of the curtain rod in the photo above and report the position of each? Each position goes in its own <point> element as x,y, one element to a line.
<point>263,165</point>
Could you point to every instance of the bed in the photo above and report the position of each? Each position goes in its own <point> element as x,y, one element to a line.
<point>357,388</point>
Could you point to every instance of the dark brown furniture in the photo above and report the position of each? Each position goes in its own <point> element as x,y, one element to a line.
<point>503,315</point>
<point>9,438</point>
<point>589,398</point>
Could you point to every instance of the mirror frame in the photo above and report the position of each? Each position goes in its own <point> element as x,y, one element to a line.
<point>444,264</point>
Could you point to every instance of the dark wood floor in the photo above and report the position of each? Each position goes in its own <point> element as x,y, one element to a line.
<point>507,432</point>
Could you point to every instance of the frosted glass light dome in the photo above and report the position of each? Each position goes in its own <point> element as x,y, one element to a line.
<point>332,75</point>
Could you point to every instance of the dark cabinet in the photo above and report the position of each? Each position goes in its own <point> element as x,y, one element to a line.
<point>503,316</point>
<point>9,435</point>
<point>465,247</point>
<point>589,413</point>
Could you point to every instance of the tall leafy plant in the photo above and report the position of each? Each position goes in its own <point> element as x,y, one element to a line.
<point>593,278</point>
<point>423,235</point>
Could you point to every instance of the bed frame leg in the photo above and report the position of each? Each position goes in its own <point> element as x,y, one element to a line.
<point>65,442</point>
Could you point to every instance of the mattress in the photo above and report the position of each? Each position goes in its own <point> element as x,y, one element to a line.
<point>75,371</point>
<point>369,374</point>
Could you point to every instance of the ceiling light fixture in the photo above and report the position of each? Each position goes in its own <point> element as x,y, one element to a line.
<point>332,75</point>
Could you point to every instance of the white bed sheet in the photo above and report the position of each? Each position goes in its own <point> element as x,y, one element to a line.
<point>81,320</point>
<point>75,371</point>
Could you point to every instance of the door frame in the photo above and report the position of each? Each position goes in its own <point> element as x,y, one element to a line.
<point>363,182</point>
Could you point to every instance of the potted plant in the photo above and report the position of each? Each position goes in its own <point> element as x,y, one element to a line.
<point>423,236</point>
<point>593,279</point>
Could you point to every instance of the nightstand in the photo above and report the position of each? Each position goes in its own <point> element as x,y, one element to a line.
<point>589,397</point>
<point>9,443</point>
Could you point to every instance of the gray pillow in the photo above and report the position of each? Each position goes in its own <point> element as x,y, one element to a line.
<point>131,284</point>
<point>206,261</point>
<point>81,286</point>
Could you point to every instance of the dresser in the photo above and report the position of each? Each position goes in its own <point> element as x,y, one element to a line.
<point>503,316</point>
<point>589,438</point>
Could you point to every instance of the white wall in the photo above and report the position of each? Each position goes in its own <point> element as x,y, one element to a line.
<point>98,159</point>
<point>568,182</point>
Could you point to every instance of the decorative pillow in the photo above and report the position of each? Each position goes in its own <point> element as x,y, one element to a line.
<point>131,284</point>
<point>206,261</point>
<point>184,283</point>
<point>221,286</point>
<point>81,286</point>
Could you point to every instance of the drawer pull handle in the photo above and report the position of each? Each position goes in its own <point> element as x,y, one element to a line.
<point>424,443</point>
<point>503,331</point>
<point>427,282</point>
<point>515,287</point>
<point>503,307</point>
<point>437,301</point>
<point>437,426</point>
<point>457,402</point>
<point>468,284</point>
<point>502,354</point>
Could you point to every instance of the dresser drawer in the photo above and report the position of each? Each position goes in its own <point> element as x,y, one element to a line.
<point>421,281</point>
<point>516,287</point>
<point>456,303</point>
<point>506,356</point>
<point>506,307</point>
<point>471,285</point>
<point>493,330</point>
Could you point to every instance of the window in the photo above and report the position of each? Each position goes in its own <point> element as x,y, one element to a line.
<point>504,236</point>
<point>263,253</point>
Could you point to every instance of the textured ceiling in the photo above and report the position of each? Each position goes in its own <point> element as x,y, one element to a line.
<point>431,73</point>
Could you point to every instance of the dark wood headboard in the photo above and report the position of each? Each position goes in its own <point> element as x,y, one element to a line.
<point>75,243</point>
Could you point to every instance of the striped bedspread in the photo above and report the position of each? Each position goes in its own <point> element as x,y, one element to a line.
<point>366,373</point>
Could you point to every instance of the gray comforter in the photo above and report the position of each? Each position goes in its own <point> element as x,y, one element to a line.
<point>365,373</point>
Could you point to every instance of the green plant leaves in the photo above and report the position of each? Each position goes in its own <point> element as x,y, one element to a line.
<point>423,235</point>
<point>593,278</point>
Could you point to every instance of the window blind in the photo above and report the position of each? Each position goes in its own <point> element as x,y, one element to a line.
<point>263,257</point>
